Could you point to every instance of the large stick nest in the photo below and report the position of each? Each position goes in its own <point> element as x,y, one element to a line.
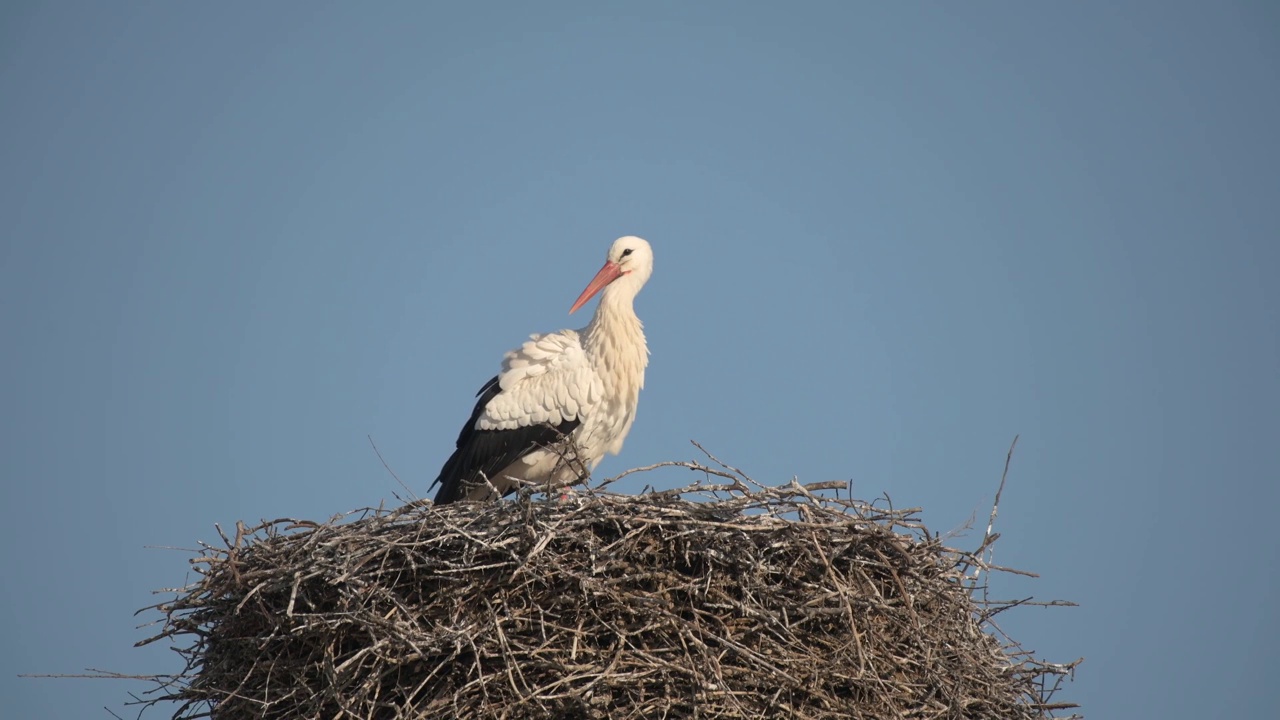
<point>751,602</point>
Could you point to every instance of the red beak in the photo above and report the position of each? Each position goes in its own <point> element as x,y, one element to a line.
<point>610,272</point>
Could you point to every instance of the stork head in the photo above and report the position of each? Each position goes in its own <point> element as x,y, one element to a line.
<point>627,267</point>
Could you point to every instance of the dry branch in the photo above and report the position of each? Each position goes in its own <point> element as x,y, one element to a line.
<point>750,602</point>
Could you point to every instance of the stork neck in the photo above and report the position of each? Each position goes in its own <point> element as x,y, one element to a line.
<point>614,340</point>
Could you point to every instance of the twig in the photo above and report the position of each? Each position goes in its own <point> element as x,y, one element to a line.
<point>988,540</point>
<point>374,445</point>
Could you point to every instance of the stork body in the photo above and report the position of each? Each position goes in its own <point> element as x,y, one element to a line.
<point>563,399</point>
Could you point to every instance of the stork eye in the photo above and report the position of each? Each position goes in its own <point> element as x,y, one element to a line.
<point>626,252</point>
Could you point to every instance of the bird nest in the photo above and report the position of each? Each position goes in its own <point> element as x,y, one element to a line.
<point>727,600</point>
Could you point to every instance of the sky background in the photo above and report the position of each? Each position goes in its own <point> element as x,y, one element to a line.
<point>237,238</point>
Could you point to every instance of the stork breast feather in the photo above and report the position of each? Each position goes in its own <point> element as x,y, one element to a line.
<point>547,380</point>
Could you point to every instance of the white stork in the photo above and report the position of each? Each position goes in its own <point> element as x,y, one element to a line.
<point>567,392</point>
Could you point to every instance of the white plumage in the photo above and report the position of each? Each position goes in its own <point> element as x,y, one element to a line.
<point>547,379</point>
<point>559,392</point>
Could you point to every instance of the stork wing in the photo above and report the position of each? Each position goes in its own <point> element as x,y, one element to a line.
<point>540,396</point>
<point>547,380</point>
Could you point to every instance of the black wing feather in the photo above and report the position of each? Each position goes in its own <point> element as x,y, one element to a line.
<point>490,451</point>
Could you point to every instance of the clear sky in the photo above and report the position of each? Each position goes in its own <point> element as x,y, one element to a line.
<point>236,238</point>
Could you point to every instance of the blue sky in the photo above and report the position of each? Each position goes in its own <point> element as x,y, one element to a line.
<point>237,238</point>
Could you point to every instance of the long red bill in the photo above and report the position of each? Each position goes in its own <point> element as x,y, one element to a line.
<point>610,272</point>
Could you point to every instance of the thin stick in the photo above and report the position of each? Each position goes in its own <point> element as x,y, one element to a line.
<point>988,540</point>
<point>412,496</point>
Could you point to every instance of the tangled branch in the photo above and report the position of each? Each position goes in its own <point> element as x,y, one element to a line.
<point>722,599</point>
